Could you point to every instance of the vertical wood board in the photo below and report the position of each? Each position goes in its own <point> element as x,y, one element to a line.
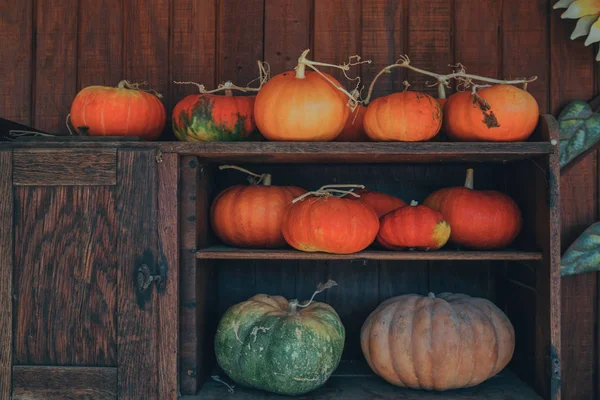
<point>6,271</point>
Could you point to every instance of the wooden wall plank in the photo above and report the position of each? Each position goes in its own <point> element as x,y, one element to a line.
<point>6,271</point>
<point>384,33</point>
<point>60,383</point>
<point>16,63</point>
<point>430,48</point>
<point>168,294</point>
<point>525,45</point>
<point>45,167</point>
<point>287,32</point>
<point>100,52</point>
<point>192,46</point>
<point>137,312</point>
<point>65,283</point>
<point>240,40</point>
<point>55,64</point>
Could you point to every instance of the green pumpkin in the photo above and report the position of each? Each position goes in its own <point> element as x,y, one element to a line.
<point>274,345</point>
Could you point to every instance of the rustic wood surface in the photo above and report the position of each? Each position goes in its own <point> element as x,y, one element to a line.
<point>353,381</point>
<point>6,272</point>
<point>64,383</point>
<point>168,259</point>
<point>43,167</point>
<point>137,313</point>
<point>65,284</point>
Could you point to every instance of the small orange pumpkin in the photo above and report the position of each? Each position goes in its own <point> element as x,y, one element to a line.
<point>118,111</point>
<point>381,203</point>
<point>500,113</point>
<point>354,130</point>
<point>329,224</point>
<point>405,116</point>
<point>413,227</point>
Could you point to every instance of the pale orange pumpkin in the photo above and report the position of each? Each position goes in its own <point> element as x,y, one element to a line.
<point>500,113</point>
<point>437,343</point>
<point>120,111</point>
<point>405,116</point>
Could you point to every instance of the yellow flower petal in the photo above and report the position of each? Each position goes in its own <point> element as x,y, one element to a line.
<point>583,26</point>
<point>598,56</point>
<point>563,4</point>
<point>581,8</point>
<point>594,35</point>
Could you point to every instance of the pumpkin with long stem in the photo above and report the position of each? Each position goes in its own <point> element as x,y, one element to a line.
<point>125,110</point>
<point>251,215</point>
<point>325,221</point>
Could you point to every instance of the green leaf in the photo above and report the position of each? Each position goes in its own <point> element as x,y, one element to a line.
<point>579,130</point>
<point>584,254</point>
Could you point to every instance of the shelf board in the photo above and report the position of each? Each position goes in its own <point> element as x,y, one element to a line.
<point>352,381</point>
<point>329,152</point>
<point>231,253</point>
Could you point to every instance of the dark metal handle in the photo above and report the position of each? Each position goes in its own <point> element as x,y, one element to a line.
<point>145,278</point>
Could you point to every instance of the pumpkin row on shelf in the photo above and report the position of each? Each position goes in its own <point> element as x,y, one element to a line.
<point>336,219</point>
<point>311,105</point>
<point>292,348</point>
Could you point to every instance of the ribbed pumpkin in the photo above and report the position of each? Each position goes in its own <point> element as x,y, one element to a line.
<point>214,118</point>
<point>354,130</point>
<point>484,220</point>
<point>405,116</point>
<point>501,113</point>
<point>301,106</point>
<point>251,215</point>
<point>413,227</point>
<point>274,345</point>
<point>381,203</point>
<point>118,111</point>
<point>437,343</point>
<point>329,224</point>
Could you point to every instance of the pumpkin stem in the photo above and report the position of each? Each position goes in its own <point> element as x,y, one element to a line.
<point>431,295</point>
<point>330,190</point>
<point>406,86</point>
<point>469,179</point>
<point>67,120</point>
<point>125,84</point>
<point>230,388</point>
<point>414,203</point>
<point>264,71</point>
<point>441,91</point>
<point>321,287</point>
<point>255,179</point>
<point>443,80</point>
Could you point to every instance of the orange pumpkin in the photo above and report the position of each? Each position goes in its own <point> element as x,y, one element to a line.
<point>118,111</point>
<point>330,224</point>
<point>501,113</point>
<point>301,106</point>
<point>413,227</point>
<point>381,203</point>
<point>354,130</point>
<point>437,343</point>
<point>251,215</point>
<point>405,116</point>
<point>482,220</point>
<point>214,118</point>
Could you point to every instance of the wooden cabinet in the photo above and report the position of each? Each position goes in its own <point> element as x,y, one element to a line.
<point>112,282</point>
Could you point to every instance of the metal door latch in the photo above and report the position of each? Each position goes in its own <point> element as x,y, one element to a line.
<point>145,278</point>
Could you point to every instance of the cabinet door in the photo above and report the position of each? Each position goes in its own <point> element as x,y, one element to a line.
<point>95,272</point>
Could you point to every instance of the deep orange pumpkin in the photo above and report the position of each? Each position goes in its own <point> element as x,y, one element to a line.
<point>381,203</point>
<point>354,130</point>
<point>482,220</point>
<point>330,224</point>
<point>295,106</point>
<point>405,116</point>
<point>251,215</point>
<point>214,118</point>
<point>413,227</point>
<point>118,111</point>
<point>502,113</point>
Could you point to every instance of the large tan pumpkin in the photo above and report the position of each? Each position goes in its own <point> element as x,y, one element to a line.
<point>437,343</point>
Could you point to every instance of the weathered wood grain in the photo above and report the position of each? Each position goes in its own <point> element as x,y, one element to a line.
<point>137,312</point>
<point>168,259</point>
<point>6,273</point>
<point>16,63</point>
<point>55,73</point>
<point>64,383</point>
<point>65,283</point>
<point>287,32</point>
<point>100,50</point>
<point>45,167</point>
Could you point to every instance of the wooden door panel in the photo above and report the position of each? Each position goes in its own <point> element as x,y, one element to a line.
<point>65,275</point>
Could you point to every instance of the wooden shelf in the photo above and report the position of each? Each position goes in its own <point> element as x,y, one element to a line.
<point>231,253</point>
<point>352,381</point>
